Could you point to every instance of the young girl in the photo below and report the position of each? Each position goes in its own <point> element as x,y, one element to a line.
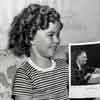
<point>35,34</point>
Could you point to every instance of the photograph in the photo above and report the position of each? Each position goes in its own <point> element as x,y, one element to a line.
<point>49,49</point>
<point>84,66</point>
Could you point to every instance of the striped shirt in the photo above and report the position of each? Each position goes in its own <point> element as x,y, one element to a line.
<point>50,85</point>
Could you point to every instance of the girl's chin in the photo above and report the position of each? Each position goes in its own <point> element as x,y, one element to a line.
<point>52,54</point>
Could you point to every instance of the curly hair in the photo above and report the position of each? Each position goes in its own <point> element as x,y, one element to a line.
<point>26,24</point>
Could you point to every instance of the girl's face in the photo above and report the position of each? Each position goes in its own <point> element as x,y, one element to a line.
<point>46,41</point>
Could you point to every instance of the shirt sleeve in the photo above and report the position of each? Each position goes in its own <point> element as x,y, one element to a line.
<point>22,84</point>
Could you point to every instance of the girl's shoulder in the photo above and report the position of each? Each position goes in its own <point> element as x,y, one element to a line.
<point>61,62</point>
<point>25,67</point>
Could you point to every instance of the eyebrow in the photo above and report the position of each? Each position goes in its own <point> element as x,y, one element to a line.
<point>51,32</point>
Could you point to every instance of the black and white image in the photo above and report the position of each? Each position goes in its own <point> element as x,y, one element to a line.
<point>39,32</point>
<point>85,68</point>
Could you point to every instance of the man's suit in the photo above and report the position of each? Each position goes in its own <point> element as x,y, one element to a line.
<point>78,76</point>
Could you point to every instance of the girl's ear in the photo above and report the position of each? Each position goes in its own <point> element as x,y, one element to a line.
<point>33,42</point>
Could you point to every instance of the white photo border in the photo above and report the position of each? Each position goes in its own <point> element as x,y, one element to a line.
<point>84,91</point>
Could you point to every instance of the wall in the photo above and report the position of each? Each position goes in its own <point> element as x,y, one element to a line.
<point>82,21</point>
<point>80,17</point>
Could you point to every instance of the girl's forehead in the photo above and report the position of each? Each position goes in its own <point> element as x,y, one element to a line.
<point>54,26</point>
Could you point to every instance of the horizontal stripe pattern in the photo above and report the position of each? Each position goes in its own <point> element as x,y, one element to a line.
<point>51,84</point>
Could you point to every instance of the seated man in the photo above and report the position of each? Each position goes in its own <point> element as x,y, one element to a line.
<point>80,72</point>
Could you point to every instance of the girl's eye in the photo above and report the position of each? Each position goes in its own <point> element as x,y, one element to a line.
<point>51,35</point>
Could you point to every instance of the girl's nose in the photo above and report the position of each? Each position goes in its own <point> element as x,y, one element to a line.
<point>56,40</point>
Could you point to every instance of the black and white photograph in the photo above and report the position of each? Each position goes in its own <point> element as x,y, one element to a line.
<point>84,66</point>
<point>35,60</point>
